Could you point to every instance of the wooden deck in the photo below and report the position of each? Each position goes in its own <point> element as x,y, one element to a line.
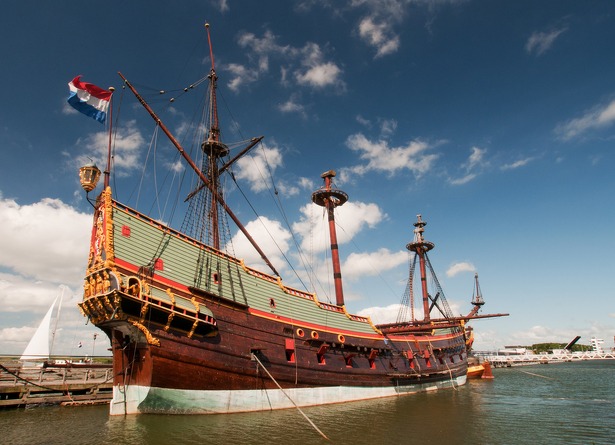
<point>22,386</point>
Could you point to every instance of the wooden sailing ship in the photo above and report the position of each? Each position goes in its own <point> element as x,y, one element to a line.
<point>195,330</point>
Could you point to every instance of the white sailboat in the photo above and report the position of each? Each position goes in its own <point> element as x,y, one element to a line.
<point>39,348</point>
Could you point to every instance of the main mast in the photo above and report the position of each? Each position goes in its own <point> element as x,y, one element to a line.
<point>213,149</point>
<point>209,172</point>
<point>330,198</point>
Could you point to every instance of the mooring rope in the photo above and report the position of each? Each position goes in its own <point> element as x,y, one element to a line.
<point>536,375</point>
<point>289,398</point>
<point>30,382</point>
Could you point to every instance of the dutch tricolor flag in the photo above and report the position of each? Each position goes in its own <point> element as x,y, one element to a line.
<point>89,99</point>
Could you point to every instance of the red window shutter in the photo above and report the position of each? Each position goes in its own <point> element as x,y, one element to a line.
<point>159,264</point>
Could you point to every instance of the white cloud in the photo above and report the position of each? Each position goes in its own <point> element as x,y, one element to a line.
<point>20,293</point>
<point>540,42</point>
<point>222,5</point>
<point>43,247</point>
<point>306,183</point>
<point>363,121</point>
<point>293,189</point>
<point>292,105</point>
<point>350,219</point>
<point>307,64</point>
<point>389,314</point>
<point>255,168</point>
<point>240,76</point>
<point>70,329</point>
<point>262,48</point>
<point>388,127</point>
<point>320,75</point>
<point>259,51</point>
<point>372,263</point>
<point>463,180</point>
<point>381,314</point>
<point>598,117</point>
<point>317,72</point>
<point>517,164</point>
<point>272,238</point>
<point>177,166</point>
<point>380,157</point>
<point>476,158</point>
<point>127,144</point>
<point>47,240</point>
<point>379,35</point>
<point>458,268</point>
<point>544,334</point>
<point>473,164</point>
<point>377,27</point>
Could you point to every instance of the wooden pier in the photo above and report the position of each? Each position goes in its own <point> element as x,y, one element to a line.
<point>66,384</point>
<point>507,361</point>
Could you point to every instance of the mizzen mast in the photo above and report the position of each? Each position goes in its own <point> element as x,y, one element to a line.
<point>420,246</point>
<point>477,298</point>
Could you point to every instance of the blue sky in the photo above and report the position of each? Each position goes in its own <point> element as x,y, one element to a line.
<point>494,120</point>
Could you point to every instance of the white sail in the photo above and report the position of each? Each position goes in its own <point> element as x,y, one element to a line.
<point>55,326</point>
<point>38,348</point>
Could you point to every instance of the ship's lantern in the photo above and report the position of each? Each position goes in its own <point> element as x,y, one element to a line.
<point>88,176</point>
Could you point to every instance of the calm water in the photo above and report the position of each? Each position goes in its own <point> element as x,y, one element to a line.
<point>572,403</point>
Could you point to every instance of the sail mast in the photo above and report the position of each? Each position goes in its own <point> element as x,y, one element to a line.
<point>477,298</point>
<point>330,199</point>
<point>107,172</point>
<point>198,171</point>
<point>212,146</point>
<point>421,247</point>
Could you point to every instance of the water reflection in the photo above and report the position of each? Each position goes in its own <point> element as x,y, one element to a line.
<point>564,403</point>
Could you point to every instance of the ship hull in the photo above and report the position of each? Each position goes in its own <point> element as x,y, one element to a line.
<point>231,339</point>
<point>140,400</point>
<point>237,373</point>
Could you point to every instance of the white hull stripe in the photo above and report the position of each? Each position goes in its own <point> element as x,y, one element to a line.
<point>142,399</point>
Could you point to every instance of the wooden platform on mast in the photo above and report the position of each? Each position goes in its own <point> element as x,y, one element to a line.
<point>68,385</point>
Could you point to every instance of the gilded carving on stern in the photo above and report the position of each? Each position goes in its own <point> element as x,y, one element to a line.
<point>148,335</point>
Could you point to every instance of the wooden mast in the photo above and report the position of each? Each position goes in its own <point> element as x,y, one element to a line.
<point>421,247</point>
<point>200,174</point>
<point>477,298</point>
<point>330,199</point>
<point>107,171</point>
<point>212,147</point>
<point>215,150</point>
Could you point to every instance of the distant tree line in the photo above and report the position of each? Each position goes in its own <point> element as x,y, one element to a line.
<point>540,348</point>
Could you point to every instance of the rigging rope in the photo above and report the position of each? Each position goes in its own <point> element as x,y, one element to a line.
<point>445,310</point>
<point>254,356</point>
<point>115,129</point>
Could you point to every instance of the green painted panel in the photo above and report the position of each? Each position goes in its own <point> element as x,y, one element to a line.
<point>191,264</point>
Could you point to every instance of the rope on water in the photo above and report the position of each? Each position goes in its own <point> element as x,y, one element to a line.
<point>536,375</point>
<point>289,398</point>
